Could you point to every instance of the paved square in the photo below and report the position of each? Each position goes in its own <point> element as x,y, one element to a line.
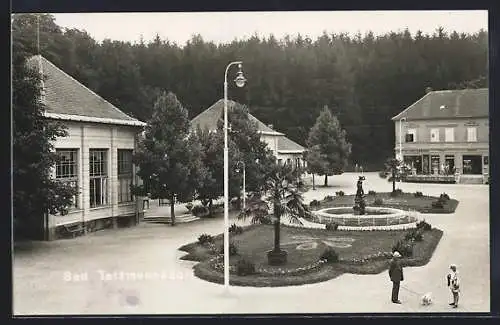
<point>137,270</point>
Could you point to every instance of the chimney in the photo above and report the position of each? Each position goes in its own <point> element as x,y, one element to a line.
<point>428,90</point>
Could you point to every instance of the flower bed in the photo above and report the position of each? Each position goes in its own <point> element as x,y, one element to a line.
<point>367,253</point>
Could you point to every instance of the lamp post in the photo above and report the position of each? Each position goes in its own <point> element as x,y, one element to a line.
<point>244,186</point>
<point>401,120</point>
<point>401,142</point>
<point>240,82</point>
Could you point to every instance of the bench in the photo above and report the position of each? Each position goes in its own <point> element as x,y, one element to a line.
<point>73,229</point>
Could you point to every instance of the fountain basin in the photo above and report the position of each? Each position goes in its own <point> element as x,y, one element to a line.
<point>376,218</point>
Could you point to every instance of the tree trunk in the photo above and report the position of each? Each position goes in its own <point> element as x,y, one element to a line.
<point>326,180</point>
<point>276,229</point>
<point>393,181</point>
<point>210,207</point>
<point>172,209</point>
<point>313,183</point>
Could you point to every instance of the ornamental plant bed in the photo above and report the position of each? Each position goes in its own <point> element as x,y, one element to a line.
<point>404,201</point>
<point>302,266</point>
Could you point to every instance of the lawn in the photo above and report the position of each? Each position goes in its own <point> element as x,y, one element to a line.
<point>404,201</point>
<point>304,247</point>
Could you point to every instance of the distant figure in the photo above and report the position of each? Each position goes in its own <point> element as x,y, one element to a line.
<point>454,285</point>
<point>145,201</point>
<point>361,169</point>
<point>356,168</point>
<point>396,276</point>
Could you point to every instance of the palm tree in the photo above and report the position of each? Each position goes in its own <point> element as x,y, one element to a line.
<point>284,196</point>
<point>392,166</point>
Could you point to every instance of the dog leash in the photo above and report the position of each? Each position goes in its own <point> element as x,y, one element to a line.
<point>421,294</point>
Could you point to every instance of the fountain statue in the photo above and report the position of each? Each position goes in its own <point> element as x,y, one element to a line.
<point>359,199</point>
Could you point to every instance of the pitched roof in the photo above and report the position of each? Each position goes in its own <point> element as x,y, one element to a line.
<point>209,117</point>
<point>67,99</point>
<point>286,145</point>
<point>445,104</point>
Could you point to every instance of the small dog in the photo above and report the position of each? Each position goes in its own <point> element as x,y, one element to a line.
<point>427,299</point>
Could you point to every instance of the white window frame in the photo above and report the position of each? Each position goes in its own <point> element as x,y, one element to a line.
<point>67,170</point>
<point>412,132</point>
<point>471,134</point>
<point>449,134</point>
<point>434,131</point>
<point>125,175</point>
<point>98,175</point>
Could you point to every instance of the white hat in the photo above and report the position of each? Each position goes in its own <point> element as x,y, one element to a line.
<point>453,266</point>
<point>396,254</point>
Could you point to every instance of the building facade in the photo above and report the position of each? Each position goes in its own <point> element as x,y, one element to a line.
<point>284,149</point>
<point>95,156</point>
<point>446,133</point>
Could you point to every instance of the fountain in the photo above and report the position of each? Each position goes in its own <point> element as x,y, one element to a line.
<point>361,217</point>
<point>359,199</point>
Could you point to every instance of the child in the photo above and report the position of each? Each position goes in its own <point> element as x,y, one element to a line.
<point>454,284</point>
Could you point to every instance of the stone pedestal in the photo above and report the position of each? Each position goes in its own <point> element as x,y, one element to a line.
<point>277,257</point>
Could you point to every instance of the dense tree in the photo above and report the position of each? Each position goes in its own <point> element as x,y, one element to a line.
<point>255,154</point>
<point>36,192</point>
<point>329,139</point>
<point>366,79</point>
<point>168,157</point>
<point>212,186</point>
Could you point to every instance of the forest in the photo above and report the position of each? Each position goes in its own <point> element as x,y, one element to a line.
<point>363,79</point>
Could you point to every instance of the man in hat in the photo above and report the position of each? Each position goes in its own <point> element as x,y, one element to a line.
<point>454,285</point>
<point>396,276</point>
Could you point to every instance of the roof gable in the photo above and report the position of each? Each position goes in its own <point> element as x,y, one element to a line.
<point>67,98</point>
<point>208,120</point>
<point>209,117</point>
<point>287,145</point>
<point>463,103</point>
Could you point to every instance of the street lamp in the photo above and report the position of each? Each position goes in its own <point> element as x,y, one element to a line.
<point>244,176</point>
<point>401,143</point>
<point>240,82</point>
<point>401,120</point>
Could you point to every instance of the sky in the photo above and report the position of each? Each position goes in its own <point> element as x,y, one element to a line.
<point>223,27</point>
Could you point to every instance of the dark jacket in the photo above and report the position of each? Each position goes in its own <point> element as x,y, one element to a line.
<point>395,271</point>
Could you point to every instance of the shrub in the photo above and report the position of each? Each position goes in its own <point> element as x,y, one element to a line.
<point>370,192</point>
<point>329,255</point>
<point>378,201</point>
<point>331,226</point>
<point>340,193</point>
<point>235,229</point>
<point>424,225</point>
<point>267,220</point>
<point>314,204</point>
<point>204,239</point>
<point>418,194</point>
<point>414,235</point>
<point>328,198</point>
<point>245,267</point>
<point>189,206</point>
<point>444,197</point>
<point>382,174</point>
<point>200,211</point>
<point>404,247</point>
<point>396,192</point>
<point>233,249</point>
<point>211,247</point>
